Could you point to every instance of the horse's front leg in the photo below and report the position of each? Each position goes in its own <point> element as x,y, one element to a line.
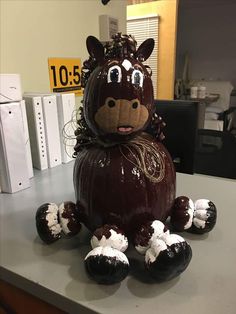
<point>166,255</point>
<point>106,263</point>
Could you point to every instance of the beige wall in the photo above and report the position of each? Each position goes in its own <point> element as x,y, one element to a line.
<point>33,30</point>
<point>167,9</point>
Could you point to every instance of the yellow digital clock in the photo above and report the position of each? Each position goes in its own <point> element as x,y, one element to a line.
<point>65,75</point>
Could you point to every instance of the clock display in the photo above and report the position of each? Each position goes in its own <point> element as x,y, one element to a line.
<point>65,75</point>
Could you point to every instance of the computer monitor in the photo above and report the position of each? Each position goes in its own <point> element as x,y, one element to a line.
<point>181,118</point>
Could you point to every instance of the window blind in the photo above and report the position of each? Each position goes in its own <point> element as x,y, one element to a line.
<point>142,28</point>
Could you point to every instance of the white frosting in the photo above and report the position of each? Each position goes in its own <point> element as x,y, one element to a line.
<point>170,239</point>
<point>110,252</point>
<point>201,204</point>
<point>190,211</point>
<point>52,219</point>
<point>199,223</point>
<point>64,221</point>
<point>55,230</point>
<point>161,244</point>
<point>200,214</point>
<point>152,253</point>
<point>127,64</point>
<point>158,228</point>
<point>117,241</point>
<point>158,232</point>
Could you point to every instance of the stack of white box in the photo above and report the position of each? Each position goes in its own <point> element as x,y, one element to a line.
<point>15,154</point>
<point>48,115</point>
<point>32,132</point>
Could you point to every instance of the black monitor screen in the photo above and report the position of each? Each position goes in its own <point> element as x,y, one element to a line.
<point>181,117</point>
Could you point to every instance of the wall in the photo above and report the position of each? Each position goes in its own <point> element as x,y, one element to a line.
<point>207,31</point>
<point>33,30</point>
<point>167,41</point>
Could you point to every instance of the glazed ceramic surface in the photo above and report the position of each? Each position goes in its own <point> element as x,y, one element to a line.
<point>126,177</point>
<point>111,189</point>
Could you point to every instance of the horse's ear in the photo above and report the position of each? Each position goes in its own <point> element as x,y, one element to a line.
<point>145,49</point>
<point>95,48</point>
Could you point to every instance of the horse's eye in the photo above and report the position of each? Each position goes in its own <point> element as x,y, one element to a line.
<point>114,74</point>
<point>137,78</point>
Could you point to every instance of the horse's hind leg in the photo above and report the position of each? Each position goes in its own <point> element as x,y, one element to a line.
<point>194,217</point>
<point>53,222</point>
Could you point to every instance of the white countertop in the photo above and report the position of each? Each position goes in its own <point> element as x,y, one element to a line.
<point>56,273</point>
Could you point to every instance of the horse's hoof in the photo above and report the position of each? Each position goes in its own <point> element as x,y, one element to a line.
<point>47,223</point>
<point>168,257</point>
<point>204,216</point>
<point>106,265</point>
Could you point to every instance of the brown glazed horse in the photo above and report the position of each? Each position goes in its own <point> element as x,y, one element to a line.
<point>124,179</point>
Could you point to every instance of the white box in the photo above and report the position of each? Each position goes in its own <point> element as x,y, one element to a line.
<point>10,88</point>
<point>14,174</point>
<point>35,118</point>
<point>26,139</point>
<point>52,130</point>
<point>66,108</point>
<point>51,127</point>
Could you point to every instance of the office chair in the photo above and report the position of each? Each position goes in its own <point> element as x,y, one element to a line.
<point>215,153</point>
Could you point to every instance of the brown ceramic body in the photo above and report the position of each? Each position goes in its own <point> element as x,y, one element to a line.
<point>110,189</point>
<point>110,186</point>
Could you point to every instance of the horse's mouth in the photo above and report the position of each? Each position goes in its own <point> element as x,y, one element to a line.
<point>124,129</point>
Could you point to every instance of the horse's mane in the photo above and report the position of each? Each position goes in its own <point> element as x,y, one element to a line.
<point>121,46</point>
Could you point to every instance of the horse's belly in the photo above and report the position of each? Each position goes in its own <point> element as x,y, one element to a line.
<point>111,188</point>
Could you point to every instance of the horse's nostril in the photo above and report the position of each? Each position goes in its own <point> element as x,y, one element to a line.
<point>111,103</point>
<point>135,105</point>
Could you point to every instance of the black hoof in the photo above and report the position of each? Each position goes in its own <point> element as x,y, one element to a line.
<point>168,258</point>
<point>47,223</point>
<point>204,217</point>
<point>106,265</point>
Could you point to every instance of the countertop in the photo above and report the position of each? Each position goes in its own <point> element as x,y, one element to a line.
<point>56,273</point>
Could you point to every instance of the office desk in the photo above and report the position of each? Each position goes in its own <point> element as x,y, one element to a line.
<point>56,273</point>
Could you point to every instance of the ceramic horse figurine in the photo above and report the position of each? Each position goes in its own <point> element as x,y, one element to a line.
<point>124,178</point>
